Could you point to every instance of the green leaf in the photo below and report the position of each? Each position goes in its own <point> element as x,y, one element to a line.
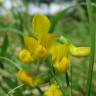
<point>4,48</point>
<point>92,55</point>
<point>9,82</point>
<point>4,45</point>
<point>12,85</point>
<point>55,19</point>
<point>2,91</point>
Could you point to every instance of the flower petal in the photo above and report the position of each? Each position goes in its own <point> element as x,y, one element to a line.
<point>40,23</point>
<point>58,51</point>
<point>30,44</point>
<point>25,77</point>
<point>47,39</point>
<point>79,51</point>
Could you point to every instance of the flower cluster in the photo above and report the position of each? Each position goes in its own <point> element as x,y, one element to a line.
<point>43,44</point>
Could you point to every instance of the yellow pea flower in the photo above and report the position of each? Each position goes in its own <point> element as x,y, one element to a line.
<point>58,51</point>
<point>63,65</point>
<point>79,51</point>
<point>25,77</point>
<point>60,57</point>
<point>41,25</point>
<point>53,91</point>
<point>25,56</point>
<point>40,45</point>
<point>35,48</point>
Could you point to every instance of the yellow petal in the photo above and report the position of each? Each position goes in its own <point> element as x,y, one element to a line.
<point>40,23</point>
<point>79,51</point>
<point>30,44</point>
<point>58,51</point>
<point>47,39</point>
<point>54,52</point>
<point>25,77</point>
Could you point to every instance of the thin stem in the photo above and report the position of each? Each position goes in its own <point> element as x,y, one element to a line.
<point>7,59</point>
<point>54,75</point>
<point>18,32</point>
<point>67,79</point>
<point>71,80</point>
<point>92,55</point>
<point>13,90</point>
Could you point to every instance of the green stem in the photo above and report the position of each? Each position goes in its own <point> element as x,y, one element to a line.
<point>13,30</point>
<point>67,79</point>
<point>13,90</point>
<point>71,80</point>
<point>92,55</point>
<point>53,73</point>
<point>58,83</point>
<point>7,59</point>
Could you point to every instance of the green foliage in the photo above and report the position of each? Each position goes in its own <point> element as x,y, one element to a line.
<point>12,85</point>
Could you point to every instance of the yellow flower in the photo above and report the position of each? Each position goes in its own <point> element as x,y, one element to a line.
<point>25,56</point>
<point>39,45</point>
<point>35,48</point>
<point>63,65</point>
<point>60,57</point>
<point>58,51</point>
<point>53,91</point>
<point>79,51</point>
<point>25,77</point>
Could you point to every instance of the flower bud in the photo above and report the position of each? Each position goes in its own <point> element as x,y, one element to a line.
<point>79,51</point>
<point>25,56</point>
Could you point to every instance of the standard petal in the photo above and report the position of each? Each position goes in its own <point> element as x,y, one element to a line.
<point>58,51</point>
<point>40,23</point>
<point>47,39</point>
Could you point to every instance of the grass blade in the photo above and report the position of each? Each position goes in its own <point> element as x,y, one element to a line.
<point>92,35</point>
